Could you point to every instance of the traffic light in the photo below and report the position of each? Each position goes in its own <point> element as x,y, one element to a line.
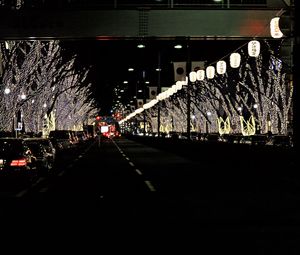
<point>98,118</point>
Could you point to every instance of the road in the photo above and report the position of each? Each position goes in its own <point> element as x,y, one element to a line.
<point>124,182</point>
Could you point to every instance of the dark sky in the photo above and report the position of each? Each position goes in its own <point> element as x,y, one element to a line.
<point>109,61</point>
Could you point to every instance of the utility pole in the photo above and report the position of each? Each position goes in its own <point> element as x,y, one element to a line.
<point>144,101</point>
<point>188,90</point>
<point>158,91</point>
<point>295,68</point>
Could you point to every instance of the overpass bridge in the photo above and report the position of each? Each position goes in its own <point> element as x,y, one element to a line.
<point>156,19</point>
<point>202,19</point>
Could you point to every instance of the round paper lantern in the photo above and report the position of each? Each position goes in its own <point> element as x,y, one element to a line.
<point>235,60</point>
<point>275,29</point>
<point>221,67</point>
<point>193,76</point>
<point>254,48</point>
<point>200,75</point>
<point>210,72</point>
<point>179,85</point>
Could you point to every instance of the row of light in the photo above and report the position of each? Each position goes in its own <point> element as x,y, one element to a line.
<point>235,61</point>
<point>235,58</point>
<point>7,91</point>
<point>161,96</point>
<point>23,97</point>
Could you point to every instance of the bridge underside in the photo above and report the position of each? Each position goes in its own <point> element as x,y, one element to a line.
<point>113,24</point>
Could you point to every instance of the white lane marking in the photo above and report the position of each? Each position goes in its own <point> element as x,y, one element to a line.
<point>150,186</point>
<point>80,156</point>
<point>38,181</point>
<point>130,163</point>
<point>138,171</point>
<point>22,193</point>
<point>127,158</point>
<point>44,189</point>
<point>61,173</point>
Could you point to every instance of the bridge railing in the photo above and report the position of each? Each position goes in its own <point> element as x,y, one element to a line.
<point>130,4</point>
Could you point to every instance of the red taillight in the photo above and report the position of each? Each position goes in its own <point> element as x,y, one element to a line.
<point>18,162</point>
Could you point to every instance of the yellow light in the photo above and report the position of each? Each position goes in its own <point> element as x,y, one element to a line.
<point>247,127</point>
<point>224,125</point>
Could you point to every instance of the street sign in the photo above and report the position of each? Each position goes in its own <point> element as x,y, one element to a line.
<point>19,127</point>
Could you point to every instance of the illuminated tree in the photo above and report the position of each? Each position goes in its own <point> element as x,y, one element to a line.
<point>37,77</point>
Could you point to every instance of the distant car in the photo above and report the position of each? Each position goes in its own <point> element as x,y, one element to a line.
<point>16,158</point>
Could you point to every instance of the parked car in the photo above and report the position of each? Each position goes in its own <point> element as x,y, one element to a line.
<point>280,140</point>
<point>16,158</point>
<point>61,139</point>
<point>259,139</point>
<point>43,153</point>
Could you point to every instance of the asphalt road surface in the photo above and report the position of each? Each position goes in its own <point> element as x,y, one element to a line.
<point>122,186</point>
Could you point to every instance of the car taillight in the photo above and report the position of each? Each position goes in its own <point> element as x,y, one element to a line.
<point>18,162</point>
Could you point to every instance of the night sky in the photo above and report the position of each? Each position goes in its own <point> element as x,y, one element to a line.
<point>109,61</point>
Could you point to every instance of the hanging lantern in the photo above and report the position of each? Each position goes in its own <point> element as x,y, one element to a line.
<point>200,75</point>
<point>210,72</point>
<point>235,60</point>
<point>221,67</point>
<point>254,48</point>
<point>193,76</point>
<point>179,85</point>
<point>275,29</point>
